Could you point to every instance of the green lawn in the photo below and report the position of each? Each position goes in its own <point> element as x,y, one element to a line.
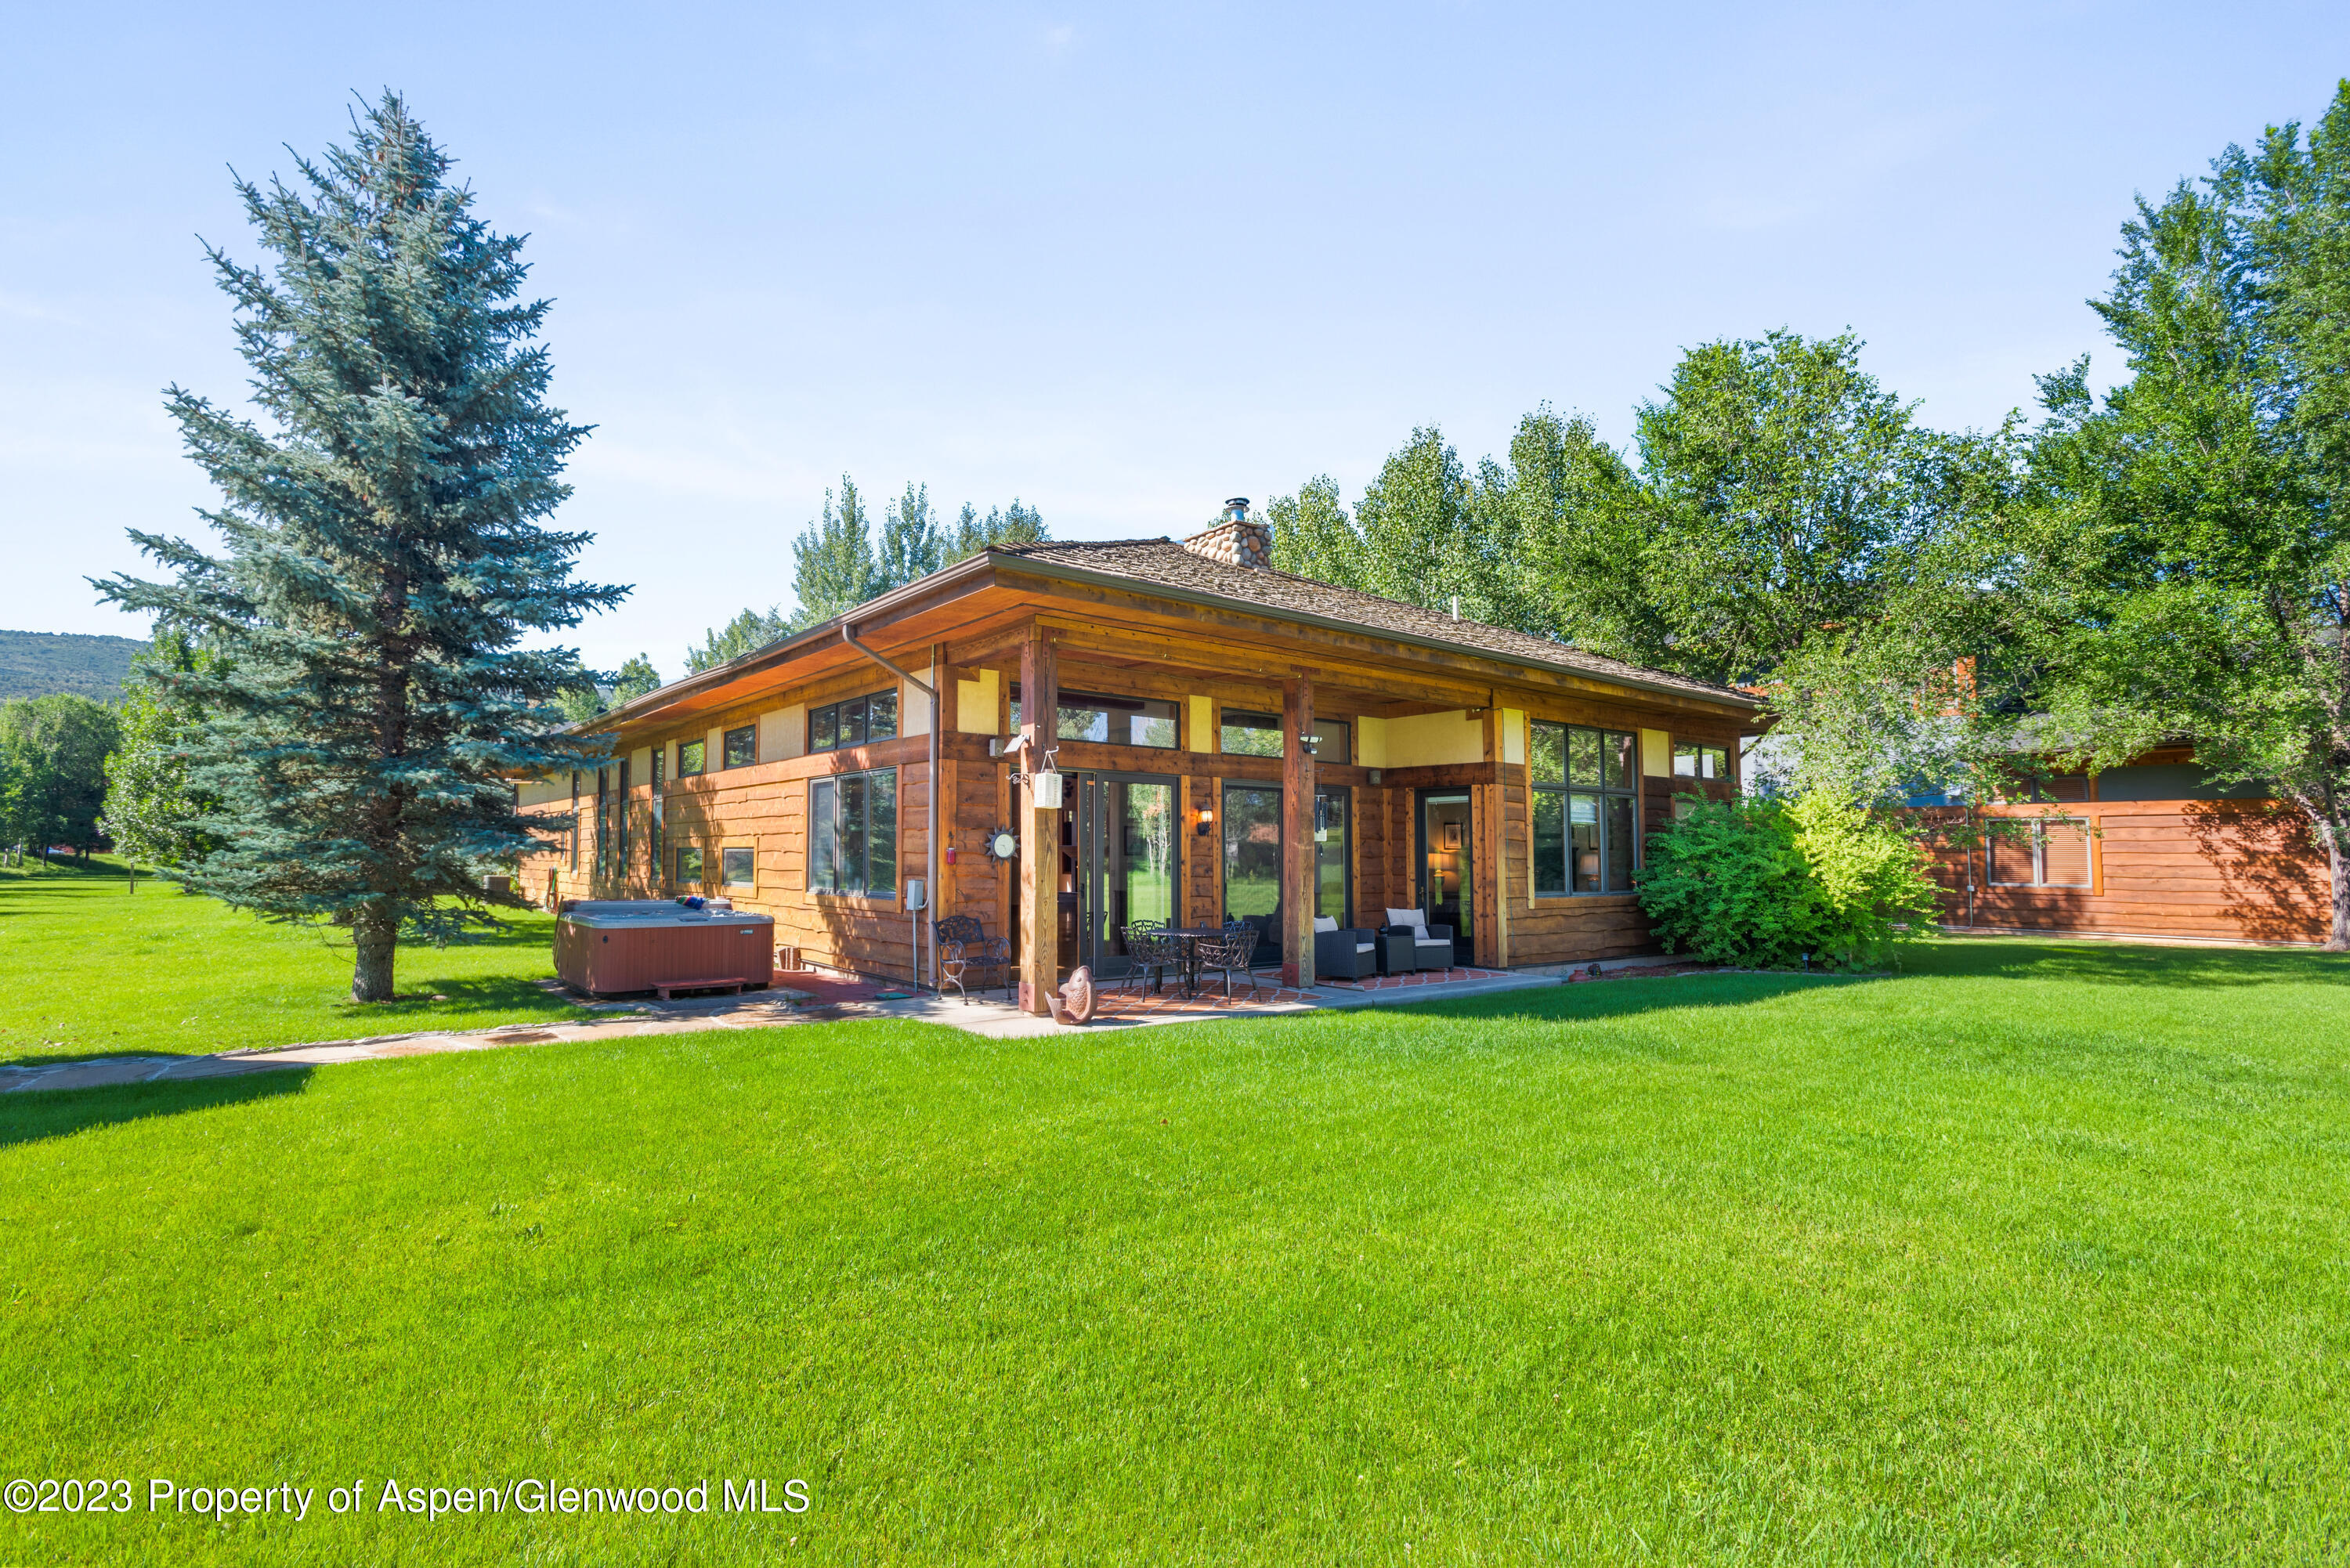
<point>88,968</point>
<point>2034,1254</point>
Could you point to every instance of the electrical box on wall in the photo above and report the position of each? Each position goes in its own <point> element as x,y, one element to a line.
<point>917,893</point>
<point>1048,788</point>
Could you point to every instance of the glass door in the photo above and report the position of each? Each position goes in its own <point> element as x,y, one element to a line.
<point>1444,863</point>
<point>1333,895</point>
<point>1127,824</point>
<point>1253,861</point>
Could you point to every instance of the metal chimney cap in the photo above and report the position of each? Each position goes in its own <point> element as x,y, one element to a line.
<point>1237,506</point>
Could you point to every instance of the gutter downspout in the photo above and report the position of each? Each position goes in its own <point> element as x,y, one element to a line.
<point>930,887</point>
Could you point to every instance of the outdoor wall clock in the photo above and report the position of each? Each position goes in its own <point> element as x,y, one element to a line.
<point>1002,844</point>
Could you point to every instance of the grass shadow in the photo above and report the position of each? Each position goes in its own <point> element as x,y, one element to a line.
<point>523,996</point>
<point>32,1116</point>
<point>2191,968</point>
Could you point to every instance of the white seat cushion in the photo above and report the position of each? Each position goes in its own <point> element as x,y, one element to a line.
<point>1431,942</point>
<point>1325,922</point>
<point>1366,947</point>
<point>1415,919</point>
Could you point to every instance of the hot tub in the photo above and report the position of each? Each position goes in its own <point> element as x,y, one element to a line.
<point>607,945</point>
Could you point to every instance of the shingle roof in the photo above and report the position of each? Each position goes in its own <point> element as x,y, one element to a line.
<point>1167,564</point>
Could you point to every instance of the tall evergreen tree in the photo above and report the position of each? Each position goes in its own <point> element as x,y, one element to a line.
<point>384,557</point>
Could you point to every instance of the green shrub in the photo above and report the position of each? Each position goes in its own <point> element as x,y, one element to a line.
<point>1768,885</point>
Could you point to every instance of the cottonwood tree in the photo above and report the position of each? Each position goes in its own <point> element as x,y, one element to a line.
<point>383,556</point>
<point>835,567</point>
<point>152,810</point>
<point>2181,568</point>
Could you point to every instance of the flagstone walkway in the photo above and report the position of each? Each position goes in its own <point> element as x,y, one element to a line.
<point>809,998</point>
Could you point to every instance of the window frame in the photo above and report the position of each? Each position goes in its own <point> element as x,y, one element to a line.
<point>750,858</point>
<point>1697,753</point>
<point>748,734</point>
<point>831,843</point>
<point>1111,706</point>
<point>1225,717</point>
<point>2037,846</point>
<point>863,704</point>
<point>701,750</point>
<point>677,859</point>
<point>1563,789</point>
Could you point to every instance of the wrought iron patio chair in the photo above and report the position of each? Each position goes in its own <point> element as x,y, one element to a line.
<point>1151,953</point>
<point>967,954</point>
<point>1231,954</point>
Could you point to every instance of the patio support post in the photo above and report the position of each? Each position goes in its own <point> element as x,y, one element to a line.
<point>1298,864</point>
<point>1040,830</point>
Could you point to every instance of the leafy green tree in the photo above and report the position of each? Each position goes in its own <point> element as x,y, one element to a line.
<point>834,567</point>
<point>384,558</point>
<point>54,750</point>
<point>913,542</point>
<point>1314,537</point>
<point>2180,565</point>
<point>1781,486</point>
<point>1429,532</point>
<point>746,633</point>
<point>591,696</point>
<point>152,812</point>
<point>634,679</point>
<point>1003,527</point>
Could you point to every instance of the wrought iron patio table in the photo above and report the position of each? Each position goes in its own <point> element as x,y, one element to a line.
<point>1192,937</point>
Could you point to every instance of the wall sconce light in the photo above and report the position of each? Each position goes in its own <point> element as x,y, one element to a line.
<point>1310,744</point>
<point>1207,822</point>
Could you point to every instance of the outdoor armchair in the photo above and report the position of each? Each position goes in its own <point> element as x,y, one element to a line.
<point>1343,954</point>
<point>1432,946</point>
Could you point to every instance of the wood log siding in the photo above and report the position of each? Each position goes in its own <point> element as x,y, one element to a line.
<point>2244,871</point>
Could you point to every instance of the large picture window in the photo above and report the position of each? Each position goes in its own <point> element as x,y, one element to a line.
<point>853,834</point>
<point>1107,719</point>
<point>2053,853</point>
<point>1586,799</point>
<point>836,726</point>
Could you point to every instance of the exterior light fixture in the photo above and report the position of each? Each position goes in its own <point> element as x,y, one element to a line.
<point>1207,821</point>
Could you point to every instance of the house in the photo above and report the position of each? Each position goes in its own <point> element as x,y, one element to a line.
<point>2153,849</point>
<point>1226,741</point>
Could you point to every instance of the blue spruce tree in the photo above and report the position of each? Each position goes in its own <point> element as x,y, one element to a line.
<point>384,558</point>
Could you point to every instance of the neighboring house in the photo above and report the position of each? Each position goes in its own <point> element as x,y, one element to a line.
<point>2152,850</point>
<point>1229,742</point>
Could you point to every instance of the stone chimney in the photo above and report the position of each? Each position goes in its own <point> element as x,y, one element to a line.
<point>1235,540</point>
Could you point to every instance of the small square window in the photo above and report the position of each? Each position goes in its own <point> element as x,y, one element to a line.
<point>689,865</point>
<point>824,727</point>
<point>743,746</point>
<point>689,757</point>
<point>735,868</point>
<point>881,716</point>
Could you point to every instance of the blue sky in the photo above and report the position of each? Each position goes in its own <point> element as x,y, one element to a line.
<point>1120,262</point>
